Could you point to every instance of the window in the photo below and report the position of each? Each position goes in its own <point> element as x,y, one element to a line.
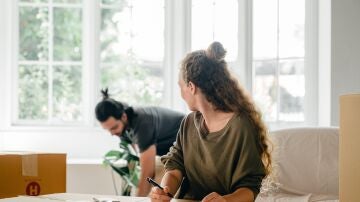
<point>278,59</point>
<point>67,51</point>
<point>49,61</point>
<point>52,81</point>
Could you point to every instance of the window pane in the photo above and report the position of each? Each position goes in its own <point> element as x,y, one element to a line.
<point>134,84</point>
<point>292,90</point>
<point>132,51</point>
<point>137,28</point>
<point>148,19</point>
<point>291,26</point>
<point>67,93</point>
<point>33,33</point>
<point>33,92</point>
<point>264,29</point>
<point>215,20</point>
<point>68,1</point>
<point>67,34</point>
<point>265,88</point>
<point>114,37</point>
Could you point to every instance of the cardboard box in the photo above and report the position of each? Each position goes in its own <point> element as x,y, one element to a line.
<point>25,173</point>
<point>349,163</point>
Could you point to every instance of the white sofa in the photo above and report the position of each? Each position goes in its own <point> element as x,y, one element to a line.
<point>305,166</point>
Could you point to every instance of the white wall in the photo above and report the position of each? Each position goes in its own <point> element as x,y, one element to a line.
<point>345,52</point>
<point>77,143</point>
<point>91,178</point>
<point>4,41</point>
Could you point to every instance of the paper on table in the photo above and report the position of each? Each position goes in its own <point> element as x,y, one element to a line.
<point>25,198</point>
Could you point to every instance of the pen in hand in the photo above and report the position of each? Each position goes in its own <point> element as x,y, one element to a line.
<point>151,181</point>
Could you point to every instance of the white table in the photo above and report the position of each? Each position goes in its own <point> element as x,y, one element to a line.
<point>70,197</point>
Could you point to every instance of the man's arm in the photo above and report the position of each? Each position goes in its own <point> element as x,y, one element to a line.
<point>147,164</point>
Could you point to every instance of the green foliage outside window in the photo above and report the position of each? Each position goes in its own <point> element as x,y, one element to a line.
<point>33,33</point>
<point>132,83</point>
<point>33,92</point>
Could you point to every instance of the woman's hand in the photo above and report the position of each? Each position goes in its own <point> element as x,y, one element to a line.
<point>213,197</point>
<point>158,195</point>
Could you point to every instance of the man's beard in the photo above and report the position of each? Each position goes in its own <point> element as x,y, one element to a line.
<point>124,131</point>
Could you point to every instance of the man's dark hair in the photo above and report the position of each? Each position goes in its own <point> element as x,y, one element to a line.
<point>109,107</point>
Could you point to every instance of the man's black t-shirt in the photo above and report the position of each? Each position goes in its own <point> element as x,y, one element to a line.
<point>154,125</point>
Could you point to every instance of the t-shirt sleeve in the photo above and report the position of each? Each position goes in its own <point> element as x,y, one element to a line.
<point>174,158</point>
<point>145,134</point>
<point>249,170</point>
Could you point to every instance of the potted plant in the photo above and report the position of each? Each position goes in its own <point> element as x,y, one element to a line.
<point>125,162</point>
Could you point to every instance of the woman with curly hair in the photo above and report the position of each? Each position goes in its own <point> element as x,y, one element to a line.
<point>221,151</point>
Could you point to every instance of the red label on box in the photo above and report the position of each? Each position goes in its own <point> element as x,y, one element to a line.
<point>33,189</point>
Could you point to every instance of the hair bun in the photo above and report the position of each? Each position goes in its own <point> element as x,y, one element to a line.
<point>105,94</point>
<point>216,51</point>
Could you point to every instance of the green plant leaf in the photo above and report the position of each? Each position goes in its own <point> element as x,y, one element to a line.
<point>114,153</point>
<point>130,172</point>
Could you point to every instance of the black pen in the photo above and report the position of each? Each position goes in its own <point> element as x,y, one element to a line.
<point>151,181</point>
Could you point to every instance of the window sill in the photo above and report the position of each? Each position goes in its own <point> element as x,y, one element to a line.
<point>64,128</point>
<point>81,161</point>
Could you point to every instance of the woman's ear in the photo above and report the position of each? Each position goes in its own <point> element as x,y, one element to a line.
<point>192,87</point>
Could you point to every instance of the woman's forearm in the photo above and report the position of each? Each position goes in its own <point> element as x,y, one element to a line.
<point>240,195</point>
<point>172,179</point>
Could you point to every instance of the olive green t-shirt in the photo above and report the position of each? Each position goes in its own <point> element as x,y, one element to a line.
<point>221,161</point>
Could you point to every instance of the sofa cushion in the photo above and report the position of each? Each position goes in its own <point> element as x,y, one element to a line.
<point>306,160</point>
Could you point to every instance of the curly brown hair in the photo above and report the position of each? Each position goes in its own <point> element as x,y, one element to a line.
<point>208,70</point>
